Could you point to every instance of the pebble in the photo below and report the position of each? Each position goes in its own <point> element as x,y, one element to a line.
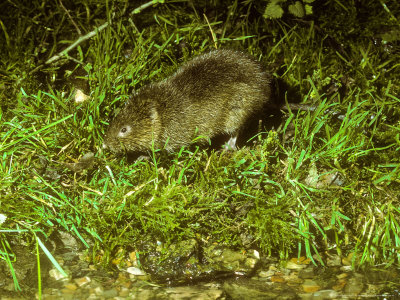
<point>82,281</point>
<point>277,279</point>
<point>307,273</point>
<point>266,274</point>
<point>298,280</point>
<point>325,294</point>
<point>294,266</point>
<point>310,286</point>
<point>135,271</point>
<point>334,261</point>
<point>354,286</point>
<point>110,293</point>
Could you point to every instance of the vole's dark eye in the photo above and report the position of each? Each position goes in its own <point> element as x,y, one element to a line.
<point>123,130</point>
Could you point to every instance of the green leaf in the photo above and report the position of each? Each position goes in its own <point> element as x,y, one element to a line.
<point>297,9</point>
<point>309,10</point>
<point>273,11</point>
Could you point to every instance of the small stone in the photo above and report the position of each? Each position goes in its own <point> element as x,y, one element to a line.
<point>135,271</point>
<point>277,279</point>
<point>342,275</point>
<point>68,296</point>
<point>124,292</point>
<point>307,296</point>
<point>272,268</point>
<point>57,275</point>
<point>98,290</point>
<point>80,96</point>
<point>67,292</point>
<point>325,294</point>
<point>354,286</point>
<point>92,267</point>
<point>334,261</point>
<point>339,285</point>
<point>250,262</point>
<point>266,274</point>
<point>293,279</point>
<point>301,260</point>
<point>82,281</point>
<point>307,273</point>
<point>310,286</point>
<point>110,293</point>
<point>346,261</point>
<point>71,286</point>
<point>346,268</point>
<point>294,266</point>
<point>255,254</point>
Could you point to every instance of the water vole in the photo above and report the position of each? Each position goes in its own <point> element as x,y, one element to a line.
<point>213,94</point>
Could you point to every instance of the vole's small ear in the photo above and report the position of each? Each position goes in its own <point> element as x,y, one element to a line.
<point>116,111</point>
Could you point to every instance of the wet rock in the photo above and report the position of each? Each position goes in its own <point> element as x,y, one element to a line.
<point>181,264</point>
<point>266,274</point>
<point>247,289</point>
<point>198,292</point>
<point>68,241</point>
<point>224,259</point>
<point>188,261</point>
<point>325,294</point>
<point>297,263</point>
<point>355,285</point>
<point>346,268</point>
<point>339,285</point>
<point>334,261</point>
<point>277,278</point>
<point>57,275</point>
<point>82,281</point>
<point>97,289</point>
<point>294,266</point>
<point>71,287</point>
<point>307,273</point>
<point>135,271</point>
<point>293,279</point>
<point>124,292</point>
<point>310,286</point>
<point>346,261</point>
<point>110,293</point>
<point>342,275</point>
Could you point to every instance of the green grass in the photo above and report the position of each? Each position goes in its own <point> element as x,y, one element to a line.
<point>271,189</point>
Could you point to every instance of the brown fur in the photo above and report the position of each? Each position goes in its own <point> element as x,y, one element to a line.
<point>213,94</point>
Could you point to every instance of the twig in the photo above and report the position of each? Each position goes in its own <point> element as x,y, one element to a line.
<point>72,20</point>
<point>90,35</point>
<point>146,5</point>
<point>76,43</point>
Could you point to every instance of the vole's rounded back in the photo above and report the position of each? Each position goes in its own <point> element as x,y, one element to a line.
<point>213,94</point>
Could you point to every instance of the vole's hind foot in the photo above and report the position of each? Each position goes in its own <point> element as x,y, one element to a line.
<point>231,144</point>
